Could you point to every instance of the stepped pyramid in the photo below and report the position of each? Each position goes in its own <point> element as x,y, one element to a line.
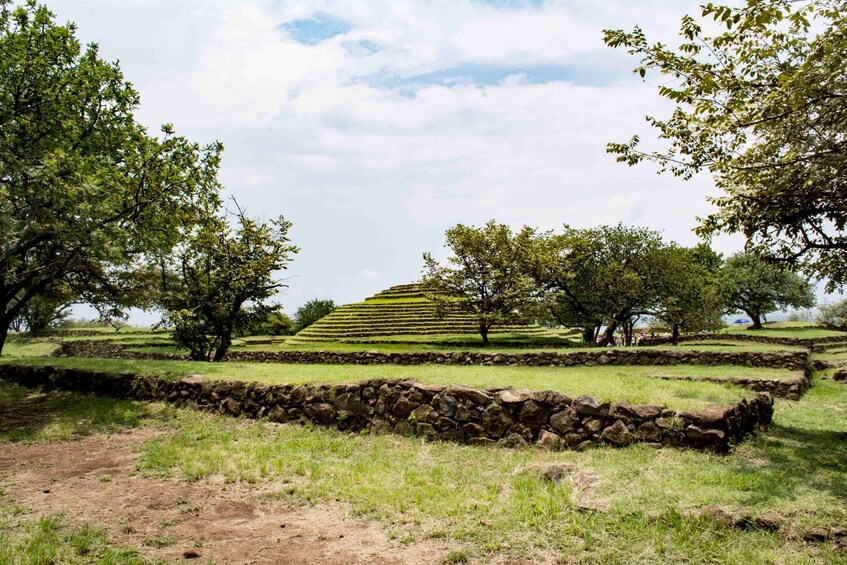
<point>399,310</point>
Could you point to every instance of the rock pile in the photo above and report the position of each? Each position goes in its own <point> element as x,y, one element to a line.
<point>496,416</point>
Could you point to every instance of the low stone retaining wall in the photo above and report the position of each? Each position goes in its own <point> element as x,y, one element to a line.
<point>792,389</point>
<point>792,360</point>
<point>800,342</point>
<point>496,416</point>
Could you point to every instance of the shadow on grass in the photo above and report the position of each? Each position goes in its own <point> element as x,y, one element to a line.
<point>33,415</point>
<point>787,460</point>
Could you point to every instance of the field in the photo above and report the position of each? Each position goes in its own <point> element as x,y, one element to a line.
<point>86,479</point>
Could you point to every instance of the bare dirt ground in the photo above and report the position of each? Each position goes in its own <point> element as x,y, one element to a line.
<point>94,480</point>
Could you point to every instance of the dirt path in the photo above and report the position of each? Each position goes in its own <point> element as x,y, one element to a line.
<point>94,480</point>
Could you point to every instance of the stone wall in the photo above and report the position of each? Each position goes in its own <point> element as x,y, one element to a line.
<point>497,416</point>
<point>792,360</point>
<point>800,342</point>
<point>792,389</point>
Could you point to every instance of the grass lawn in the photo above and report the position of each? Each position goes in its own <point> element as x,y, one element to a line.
<point>647,502</point>
<point>603,382</point>
<point>799,330</point>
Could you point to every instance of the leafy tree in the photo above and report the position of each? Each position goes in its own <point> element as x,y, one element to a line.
<point>265,319</point>
<point>312,311</point>
<point>694,295</point>
<point>85,193</point>
<point>45,310</point>
<point>833,316</point>
<point>208,282</point>
<point>487,274</point>
<point>757,287</point>
<point>762,106</point>
<point>605,276</point>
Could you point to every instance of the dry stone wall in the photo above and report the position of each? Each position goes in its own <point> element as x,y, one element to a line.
<point>772,340</point>
<point>496,416</point>
<point>792,360</point>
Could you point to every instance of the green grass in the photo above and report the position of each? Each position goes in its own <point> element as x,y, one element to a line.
<point>603,382</point>
<point>31,416</point>
<point>475,497</point>
<point>29,348</point>
<point>799,330</point>
<point>53,539</point>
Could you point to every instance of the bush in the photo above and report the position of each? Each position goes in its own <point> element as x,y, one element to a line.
<point>833,316</point>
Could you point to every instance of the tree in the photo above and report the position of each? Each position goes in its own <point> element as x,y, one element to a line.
<point>758,287</point>
<point>605,276</point>
<point>487,276</point>
<point>312,311</point>
<point>694,295</point>
<point>833,316</point>
<point>762,106</point>
<point>45,310</point>
<point>208,282</point>
<point>86,195</point>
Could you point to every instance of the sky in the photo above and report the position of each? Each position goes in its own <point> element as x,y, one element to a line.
<point>375,126</point>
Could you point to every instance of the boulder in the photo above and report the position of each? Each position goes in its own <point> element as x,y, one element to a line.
<point>549,440</point>
<point>648,431</point>
<point>496,421</point>
<point>425,414</point>
<point>563,422</point>
<point>348,404</point>
<point>617,434</point>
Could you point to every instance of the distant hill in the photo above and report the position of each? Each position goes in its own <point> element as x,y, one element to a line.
<point>399,310</point>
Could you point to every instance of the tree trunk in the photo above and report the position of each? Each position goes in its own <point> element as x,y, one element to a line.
<point>4,333</point>
<point>589,335</point>
<point>757,321</point>
<point>226,342</point>
<point>609,335</point>
<point>675,335</point>
<point>483,331</point>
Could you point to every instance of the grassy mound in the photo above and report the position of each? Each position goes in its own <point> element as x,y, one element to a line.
<point>401,310</point>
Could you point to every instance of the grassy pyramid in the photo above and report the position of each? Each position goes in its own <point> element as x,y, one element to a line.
<point>401,310</point>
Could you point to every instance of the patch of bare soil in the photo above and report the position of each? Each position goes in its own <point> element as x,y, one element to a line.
<point>94,480</point>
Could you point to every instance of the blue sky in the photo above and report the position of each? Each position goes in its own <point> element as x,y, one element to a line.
<point>375,126</point>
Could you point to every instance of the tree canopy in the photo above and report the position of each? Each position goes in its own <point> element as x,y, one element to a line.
<point>604,276</point>
<point>85,192</point>
<point>209,281</point>
<point>758,287</point>
<point>761,104</point>
<point>486,273</point>
<point>312,311</point>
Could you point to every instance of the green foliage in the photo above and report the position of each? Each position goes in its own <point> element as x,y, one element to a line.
<point>605,276</point>
<point>757,287</point>
<point>46,310</point>
<point>312,311</point>
<point>833,316</point>
<point>209,280</point>
<point>264,319</point>
<point>761,105</point>
<point>487,275</point>
<point>85,193</point>
<point>694,295</point>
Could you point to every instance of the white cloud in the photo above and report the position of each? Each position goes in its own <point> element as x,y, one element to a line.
<point>371,174</point>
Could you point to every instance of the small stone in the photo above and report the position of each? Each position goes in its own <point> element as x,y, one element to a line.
<point>593,425</point>
<point>402,407</point>
<point>816,535</point>
<point>647,411</point>
<point>617,434</point>
<point>548,440</point>
<point>718,514</point>
<point>232,407</point>
<point>348,404</point>
<point>553,472</point>
<point>648,431</point>
<point>514,441</point>
<point>587,405</point>
<point>713,436</point>
<point>425,414</point>
<point>403,428</point>
<point>192,379</point>
<point>380,426</point>
<point>278,414</point>
<point>190,554</point>
<point>496,420</point>
<point>563,422</point>
<point>513,396</point>
<point>320,412</point>
<point>531,413</point>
